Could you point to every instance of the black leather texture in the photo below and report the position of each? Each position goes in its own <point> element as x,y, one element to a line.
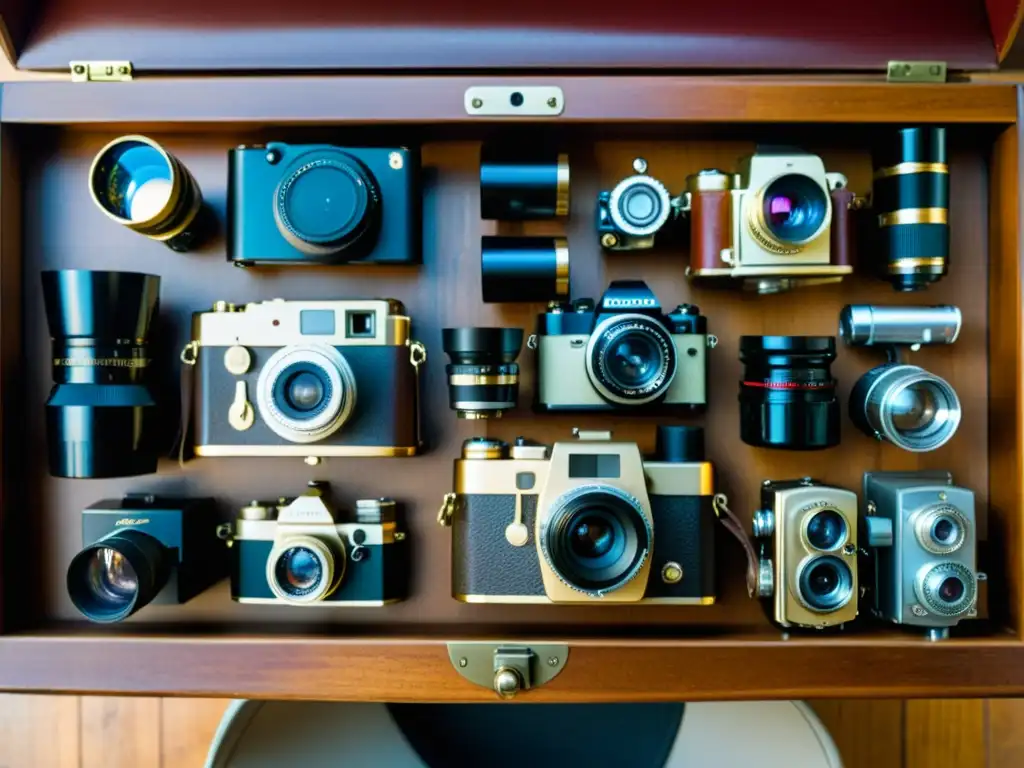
<point>684,533</point>
<point>483,562</point>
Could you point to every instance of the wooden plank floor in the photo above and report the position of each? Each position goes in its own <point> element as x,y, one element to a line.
<point>111,732</point>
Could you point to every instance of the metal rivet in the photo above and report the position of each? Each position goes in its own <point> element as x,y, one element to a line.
<point>477,103</point>
<point>608,240</point>
<point>395,160</point>
<point>849,549</point>
<point>79,69</point>
<point>553,661</point>
<point>312,461</point>
<point>552,102</point>
<point>463,662</point>
<point>942,496</point>
<point>917,610</point>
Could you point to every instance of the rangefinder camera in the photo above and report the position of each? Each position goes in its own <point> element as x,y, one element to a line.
<point>294,551</point>
<point>922,533</point>
<point>305,378</point>
<point>587,521</point>
<point>809,560</point>
<point>781,222</point>
<point>624,354</point>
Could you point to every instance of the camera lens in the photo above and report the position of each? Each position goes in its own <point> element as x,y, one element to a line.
<point>947,589</point>
<point>483,377</point>
<point>328,205</point>
<point>101,418</point>
<point>787,394</point>
<point>942,529</point>
<point>907,406</point>
<point>298,571</point>
<point>826,530</point>
<point>596,538</point>
<point>114,577</point>
<point>306,392</point>
<point>910,194</point>
<point>793,209</point>
<point>140,185</point>
<point>302,569</point>
<point>825,584</point>
<point>631,359</point>
<point>639,205</point>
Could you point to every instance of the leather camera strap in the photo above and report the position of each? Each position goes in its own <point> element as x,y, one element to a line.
<point>732,524</point>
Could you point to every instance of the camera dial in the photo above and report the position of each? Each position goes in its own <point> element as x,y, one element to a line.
<point>639,205</point>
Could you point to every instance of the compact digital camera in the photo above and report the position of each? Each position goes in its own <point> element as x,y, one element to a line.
<point>294,551</point>
<point>631,215</point>
<point>809,561</point>
<point>624,354</point>
<point>322,204</point>
<point>590,521</point>
<point>305,378</point>
<point>922,533</point>
<point>782,221</point>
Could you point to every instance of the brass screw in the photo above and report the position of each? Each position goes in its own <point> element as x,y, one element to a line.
<point>477,103</point>
<point>123,69</point>
<point>942,496</point>
<point>553,661</point>
<point>608,240</point>
<point>399,536</point>
<point>463,662</point>
<point>79,69</point>
<point>312,461</point>
<point>552,102</point>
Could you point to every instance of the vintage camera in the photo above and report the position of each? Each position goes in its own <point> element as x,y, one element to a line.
<point>781,222</point>
<point>305,378</point>
<point>322,204</point>
<point>293,551</point>
<point>590,522</point>
<point>922,533</point>
<point>623,355</point>
<point>144,549</point>
<point>809,560</point>
<point>634,212</point>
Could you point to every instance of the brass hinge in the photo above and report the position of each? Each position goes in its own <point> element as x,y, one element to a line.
<point>101,71</point>
<point>916,72</point>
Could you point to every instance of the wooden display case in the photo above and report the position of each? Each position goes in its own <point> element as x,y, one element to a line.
<point>197,89</point>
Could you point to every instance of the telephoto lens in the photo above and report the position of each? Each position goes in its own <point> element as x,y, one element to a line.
<point>911,198</point>
<point>864,325</point>
<point>906,405</point>
<point>100,414</point>
<point>142,186</point>
<point>524,269</point>
<point>483,377</point>
<point>787,394</point>
<point>520,184</point>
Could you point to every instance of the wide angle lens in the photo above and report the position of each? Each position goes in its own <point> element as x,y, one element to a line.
<point>483,377</point>
<point>112,578</point>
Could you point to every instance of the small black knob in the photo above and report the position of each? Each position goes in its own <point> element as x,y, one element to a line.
<point>678,444</point>
<point>583,305</point>
<point>686,309</point>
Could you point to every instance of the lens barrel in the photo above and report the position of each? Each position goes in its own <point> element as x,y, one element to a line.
<point>911,198</point>
<point>524,269</point>
<point>517,185</point>
<point>864,325</point>
<point>114,577</point>
<point>142,186</point>
<point>100,416</point>
<point>483,377</point>
<point>787,394</point>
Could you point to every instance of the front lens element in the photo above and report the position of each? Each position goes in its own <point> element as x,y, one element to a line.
<point>596,538</point>
<point>794,209</point>
<point>111,577</point>
<point>299,571</point>
<point>631,359</point>
<point>826,530</point>
<point>114,577</point>
<point>825,584</point>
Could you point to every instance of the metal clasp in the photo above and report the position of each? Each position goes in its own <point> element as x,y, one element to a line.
<point>101,71</point>
<point>190,354</point>
<point>508,669</point>
<point>417,354</point>
<point>447,511</point>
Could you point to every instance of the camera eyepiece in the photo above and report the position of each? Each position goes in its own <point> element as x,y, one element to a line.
<point>483,377</point>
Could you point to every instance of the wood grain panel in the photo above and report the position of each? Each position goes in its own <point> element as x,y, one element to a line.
<point>325,100</point>
<point>868,733</point>
<point>39,731</point>
<point>187,727</point>
<point>120,732</point>
<point>1005,733</point>
<point>946,734</point>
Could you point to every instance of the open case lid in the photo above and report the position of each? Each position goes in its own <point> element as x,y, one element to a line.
<point>192,36</point>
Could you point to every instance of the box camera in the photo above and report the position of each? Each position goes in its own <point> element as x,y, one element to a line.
<point>293,551</point>
<point>923,537</point>
<point>322,204</point>
<point>580,524</point>
<point>624,355</point>
<point>305,378</point>
<point>634,212</point>
<point>782,221</point>
<point>143,549</point>
<point>810,533</point>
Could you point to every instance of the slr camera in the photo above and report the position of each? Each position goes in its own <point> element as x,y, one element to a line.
<point>329,205</point>
<point>143,549</point>
<point>634,212</point>
<point>923,537</point>
<point>781,222</point>
<point>809,557</point>
<point>305,378</point>
<point>623,355</point>
<point>293,551</point>
<point>589,521</point>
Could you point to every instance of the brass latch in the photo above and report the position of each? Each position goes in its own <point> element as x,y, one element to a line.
<point>916,72</point>
<point>508,669</point>
<point>101,71</point>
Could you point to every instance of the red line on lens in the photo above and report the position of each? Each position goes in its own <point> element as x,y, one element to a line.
<point>787,385</point>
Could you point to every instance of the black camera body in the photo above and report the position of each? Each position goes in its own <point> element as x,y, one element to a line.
<point>329,204</point>
<point>624,354</point>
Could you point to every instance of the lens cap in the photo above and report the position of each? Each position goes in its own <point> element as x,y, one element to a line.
<point>478,346</point>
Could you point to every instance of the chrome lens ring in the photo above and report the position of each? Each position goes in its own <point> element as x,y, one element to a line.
<point>941,529</point>
<point>341,392</point>
<point>653,190</point>
<point>947,589</point>
<point>825,529</point>
<point>902,390</point>
<point>325,561</point>
<point>616,328</point>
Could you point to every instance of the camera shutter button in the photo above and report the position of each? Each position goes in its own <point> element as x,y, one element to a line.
<point>237,360</point>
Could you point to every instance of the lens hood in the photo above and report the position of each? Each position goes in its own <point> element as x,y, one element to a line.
<point>480,346</point>
<point>100,305</point>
